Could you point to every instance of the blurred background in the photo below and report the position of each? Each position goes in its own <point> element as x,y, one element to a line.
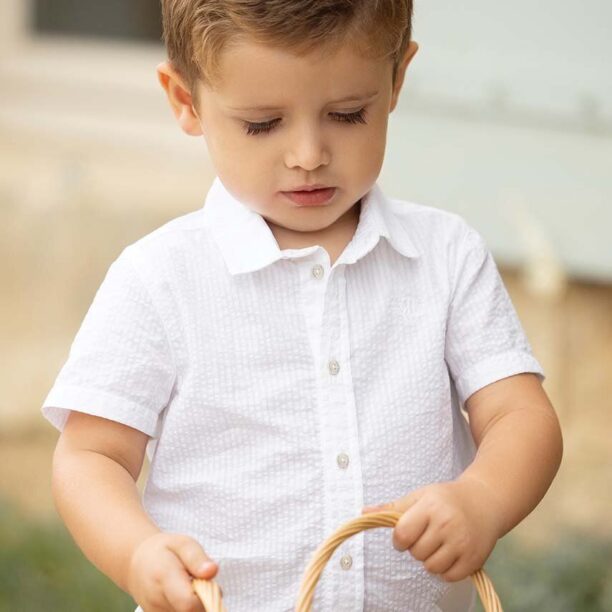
<point>505,118</point>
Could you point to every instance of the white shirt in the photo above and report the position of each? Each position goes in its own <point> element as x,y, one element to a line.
<point>282,394</point>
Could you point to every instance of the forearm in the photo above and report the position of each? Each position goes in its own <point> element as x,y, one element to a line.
<point>516,462</point>
<point>99,502</point>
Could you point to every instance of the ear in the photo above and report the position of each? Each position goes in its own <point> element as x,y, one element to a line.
<point>413,47</point>
<point>179,98</point>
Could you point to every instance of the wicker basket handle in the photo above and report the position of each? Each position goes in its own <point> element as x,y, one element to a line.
<point>209,593</point>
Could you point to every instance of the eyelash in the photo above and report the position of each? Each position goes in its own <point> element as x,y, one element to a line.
<point>253,129</point>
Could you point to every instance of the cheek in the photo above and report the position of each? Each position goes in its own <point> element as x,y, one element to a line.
<point>231,153</point>
<point>243,167</point>
<point>225,140</point>
<point>378,137</point>
<point>370,136</point>
<point>365,150</point>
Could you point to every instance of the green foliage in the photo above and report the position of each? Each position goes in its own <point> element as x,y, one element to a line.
<point>41,568</point>
<point>574,575</point>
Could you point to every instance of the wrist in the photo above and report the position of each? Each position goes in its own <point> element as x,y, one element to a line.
<point>490,500</point>
<point>133,554</point>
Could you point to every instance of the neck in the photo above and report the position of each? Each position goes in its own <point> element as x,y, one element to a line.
<point>335,236</point>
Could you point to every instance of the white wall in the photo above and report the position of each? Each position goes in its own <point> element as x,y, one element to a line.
<point>550,55</point>
<point>506,118</point>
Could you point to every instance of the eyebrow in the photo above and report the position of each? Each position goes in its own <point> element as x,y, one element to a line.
<point>351,98</point>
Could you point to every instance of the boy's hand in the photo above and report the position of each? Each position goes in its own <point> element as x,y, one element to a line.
<point>451,526</point>
<point>161,570</point>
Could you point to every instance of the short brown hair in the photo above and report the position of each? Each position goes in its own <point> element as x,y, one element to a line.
<point>197,31</point>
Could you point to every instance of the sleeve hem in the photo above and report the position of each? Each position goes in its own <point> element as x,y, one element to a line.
<point>495,368</point>
<point>62,399</point>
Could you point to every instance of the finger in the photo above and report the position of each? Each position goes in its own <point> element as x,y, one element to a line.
<point>406,502</point>
<point>429,542</point>
<point>193,557</point>
<point>157,600</point>
<point>178,589</point>
<point>367,509</point>
<point>441,560</point>
<point>457,571</point>
<point>410,527</point>
<point>161,604</point>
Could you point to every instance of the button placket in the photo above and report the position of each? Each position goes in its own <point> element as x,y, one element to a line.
<point>342,484</point>
<point>315,294</point>
<point>347,446</point>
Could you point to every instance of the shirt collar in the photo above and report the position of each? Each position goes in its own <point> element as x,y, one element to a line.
<point>248,244</point>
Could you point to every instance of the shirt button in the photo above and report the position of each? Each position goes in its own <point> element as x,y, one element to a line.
<point>346,561</point>
<point>334,367</point>
<point>343,460</point>
<point>317,271</point>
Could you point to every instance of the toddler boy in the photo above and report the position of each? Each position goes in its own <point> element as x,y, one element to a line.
<point>299,348</point>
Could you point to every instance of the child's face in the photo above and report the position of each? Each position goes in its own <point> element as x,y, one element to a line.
<point>307,141</point>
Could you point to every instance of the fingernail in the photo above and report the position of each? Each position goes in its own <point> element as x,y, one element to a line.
<point>206,566</point>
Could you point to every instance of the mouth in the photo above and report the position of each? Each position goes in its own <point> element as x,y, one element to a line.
<point>311,195</point>
<point>309,187</point>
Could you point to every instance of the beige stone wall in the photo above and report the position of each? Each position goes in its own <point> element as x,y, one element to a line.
<point>571,335</point>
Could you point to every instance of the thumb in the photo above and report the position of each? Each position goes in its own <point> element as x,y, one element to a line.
<point>379,508</point>
<point>193,557</point>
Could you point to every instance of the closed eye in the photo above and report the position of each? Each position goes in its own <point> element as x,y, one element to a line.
<point>253,129</point>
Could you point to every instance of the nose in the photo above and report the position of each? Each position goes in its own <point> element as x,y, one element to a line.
<point>307,149</point>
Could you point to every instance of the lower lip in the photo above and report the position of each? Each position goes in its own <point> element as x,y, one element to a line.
<point>311,198</point>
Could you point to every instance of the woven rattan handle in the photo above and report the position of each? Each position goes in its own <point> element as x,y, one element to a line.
<point>209,593</point>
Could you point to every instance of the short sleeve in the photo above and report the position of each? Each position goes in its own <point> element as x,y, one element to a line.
<point>485,341</point>
<point>119,365</point>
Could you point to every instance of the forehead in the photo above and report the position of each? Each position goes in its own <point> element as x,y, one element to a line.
<point>257,75</point>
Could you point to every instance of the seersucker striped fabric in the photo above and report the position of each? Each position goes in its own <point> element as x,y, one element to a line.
<point>282,395</point>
